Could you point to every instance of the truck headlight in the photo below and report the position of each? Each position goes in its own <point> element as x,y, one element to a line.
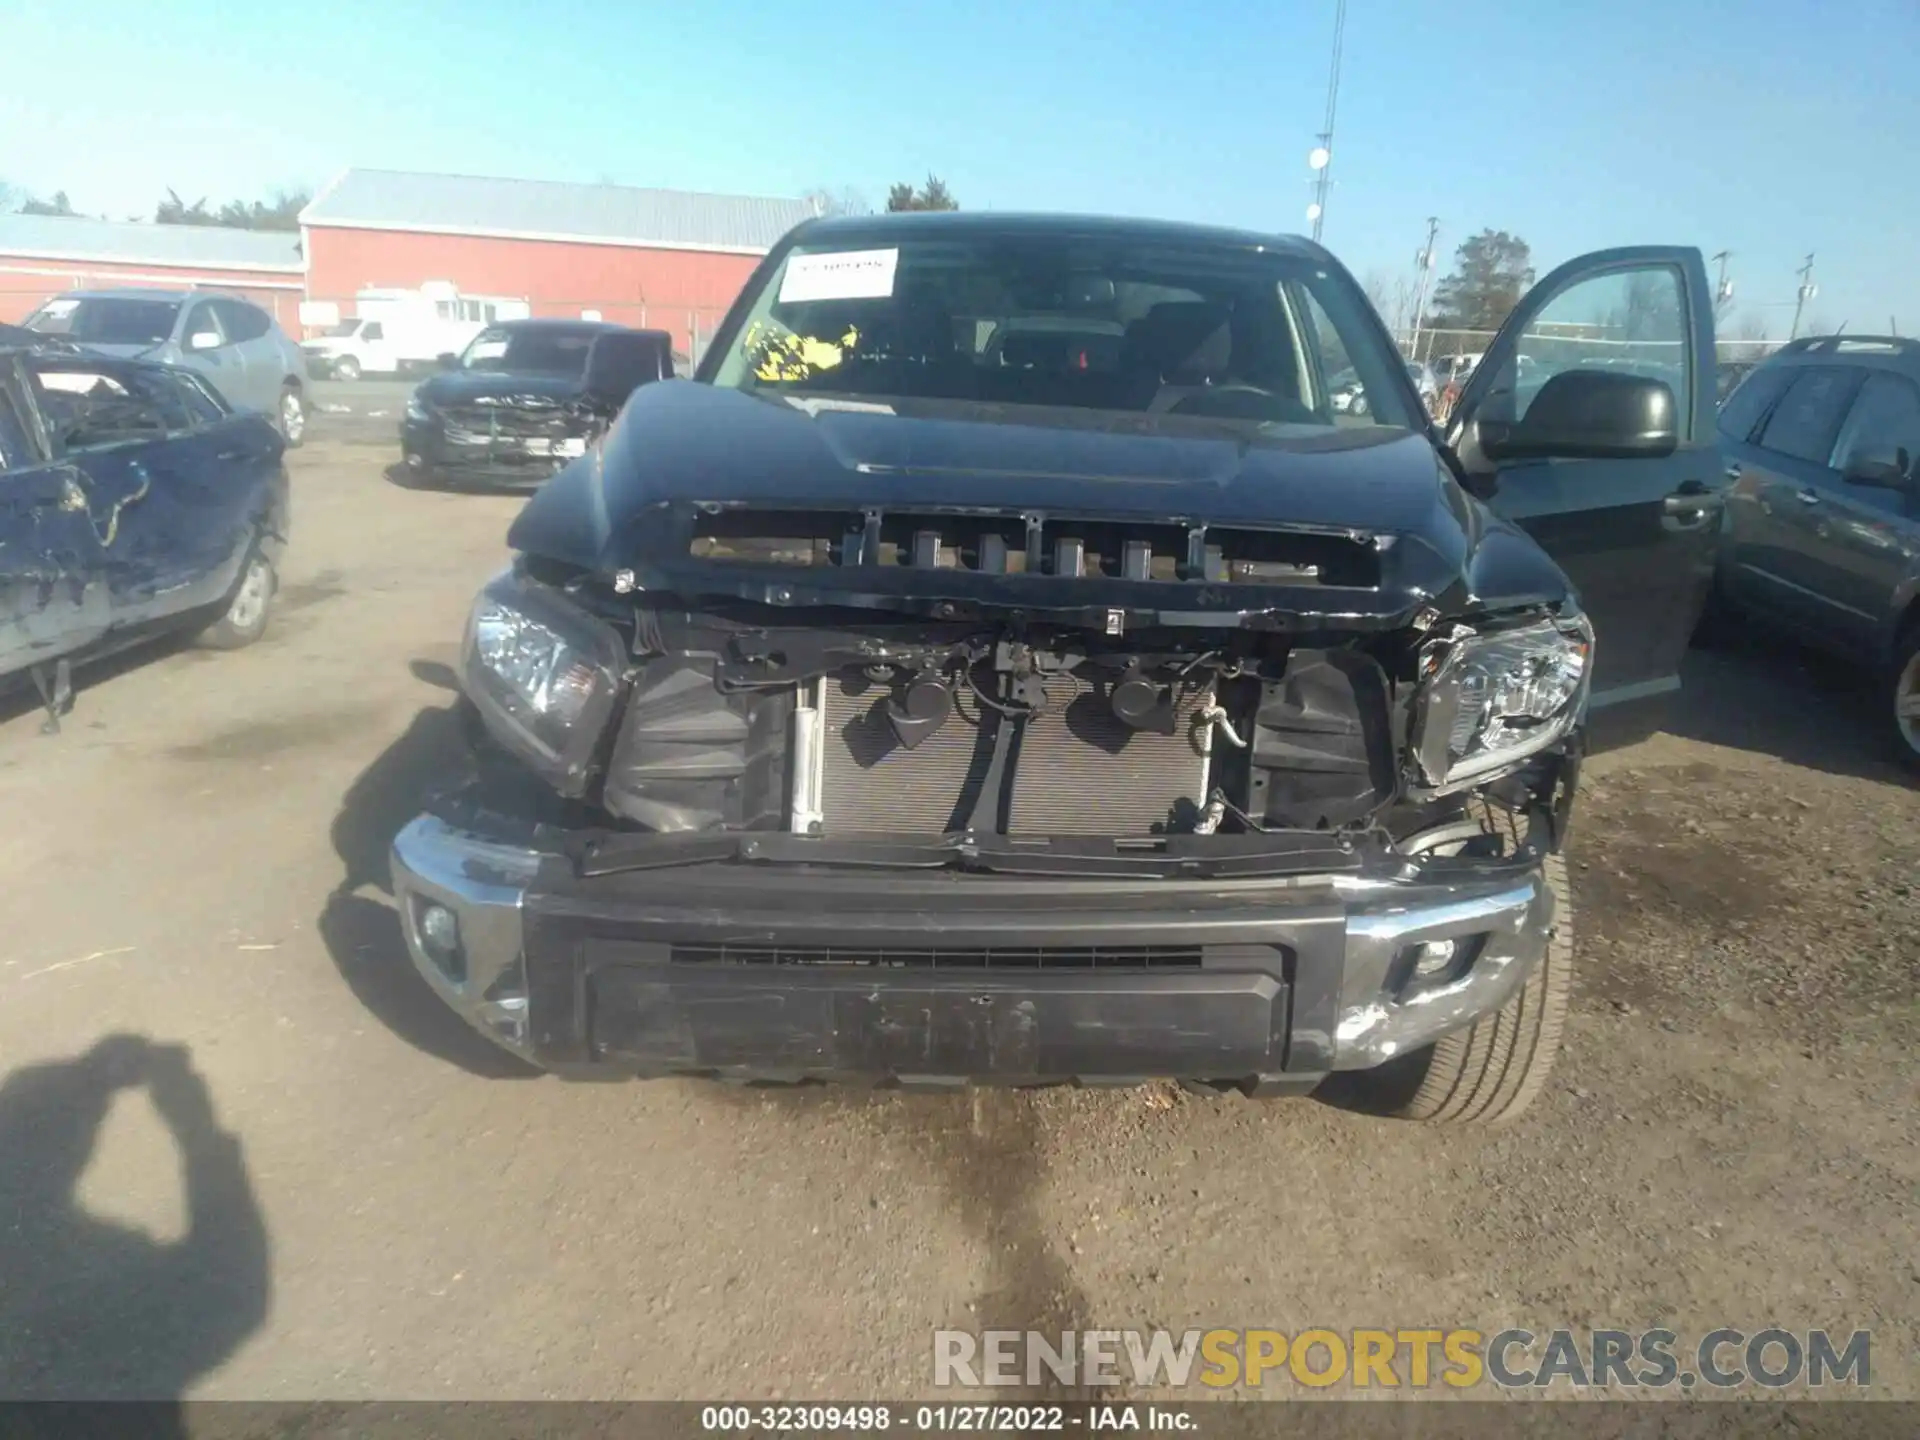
<point>544,675</point>
<point>1488,701</point>
<point>417,410</point>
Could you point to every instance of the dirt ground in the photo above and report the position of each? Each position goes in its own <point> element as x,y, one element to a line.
<point>199,862</point>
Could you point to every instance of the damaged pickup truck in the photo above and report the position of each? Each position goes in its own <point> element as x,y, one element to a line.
<point>134,503</point>
<point>524,398</point>
<point>891,703</point>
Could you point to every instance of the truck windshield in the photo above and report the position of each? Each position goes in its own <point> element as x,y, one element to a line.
<point>547,350</point>
<point>343,329</point>
<point>107,320</point>
<point>1203,329</point>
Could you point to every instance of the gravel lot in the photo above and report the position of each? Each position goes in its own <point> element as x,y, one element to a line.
<point>199,860</point>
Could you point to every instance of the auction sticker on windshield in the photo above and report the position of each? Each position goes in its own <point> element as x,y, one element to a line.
<point>845,275</point>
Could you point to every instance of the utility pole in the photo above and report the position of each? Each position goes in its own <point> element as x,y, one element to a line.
<point>1423,263</point>
<point>1722,287</point>
<point>1807,291</point>
<point>1320,158</point>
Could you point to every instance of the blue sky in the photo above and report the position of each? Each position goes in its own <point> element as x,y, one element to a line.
<point>1766,127</point>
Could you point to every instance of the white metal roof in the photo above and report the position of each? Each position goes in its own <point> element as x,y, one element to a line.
<point>205,247</point>
<point>554,210</point>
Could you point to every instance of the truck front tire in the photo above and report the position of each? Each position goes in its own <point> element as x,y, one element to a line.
<point>1489,1073</point>
<point>346,368</point>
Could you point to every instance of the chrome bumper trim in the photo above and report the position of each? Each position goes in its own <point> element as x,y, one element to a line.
<point>1378,1015</point>
<point>1375,1025</point>
<point>484,885</point>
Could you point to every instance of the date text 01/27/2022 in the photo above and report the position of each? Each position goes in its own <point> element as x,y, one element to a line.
<point>877,1419</point>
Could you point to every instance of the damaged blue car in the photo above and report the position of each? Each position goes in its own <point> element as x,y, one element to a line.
<point>135,503</point>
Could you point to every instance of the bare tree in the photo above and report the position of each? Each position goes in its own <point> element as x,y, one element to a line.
<point>1392,297</point>
<point>1754,341</point>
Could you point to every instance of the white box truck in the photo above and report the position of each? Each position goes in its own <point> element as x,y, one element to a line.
<point>395,332</point>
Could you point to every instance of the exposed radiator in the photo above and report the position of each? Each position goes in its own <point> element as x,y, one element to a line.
<point>872,783</point>
<point>1084,771</point>
<point>1079,769</point>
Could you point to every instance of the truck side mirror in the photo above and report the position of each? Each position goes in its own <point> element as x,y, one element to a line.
<point>447,360</point>
<point>619,364</point>
<point>1588,415</point>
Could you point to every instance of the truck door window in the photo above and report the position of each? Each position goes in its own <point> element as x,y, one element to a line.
<point>241,321</point>
<point>1806,421</point>
<point>1628,321</point>
<point>373,331</point>
<point>1322,339</point>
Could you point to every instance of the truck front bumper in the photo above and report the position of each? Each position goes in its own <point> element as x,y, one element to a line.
<point>428,451</point>
<point>787,973</point>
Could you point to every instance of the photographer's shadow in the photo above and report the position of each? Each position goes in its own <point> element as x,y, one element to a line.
<point>94,1309</point>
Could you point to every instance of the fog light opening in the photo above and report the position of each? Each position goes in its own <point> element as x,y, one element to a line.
<point>1433,958</point>
<point>438,931</point>
<point>1432,964</point>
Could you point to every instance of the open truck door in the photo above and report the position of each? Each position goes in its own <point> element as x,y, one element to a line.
<point>1632,515</point>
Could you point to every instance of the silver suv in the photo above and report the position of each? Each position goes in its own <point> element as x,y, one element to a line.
<point>232,342</point>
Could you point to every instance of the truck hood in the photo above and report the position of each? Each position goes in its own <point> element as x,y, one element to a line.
<point>494,387</point>
<point>684,450</point>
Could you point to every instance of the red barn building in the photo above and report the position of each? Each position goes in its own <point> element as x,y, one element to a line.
<point>665,259</point>
<point>42,255</point>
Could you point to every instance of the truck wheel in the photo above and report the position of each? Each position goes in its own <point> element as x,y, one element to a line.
<point>1488,1074</point>
<point>293,415</point>
<point>1360,406</point>
<point>1904,697</point>
<point>346,368</point>
<point>245,618</point>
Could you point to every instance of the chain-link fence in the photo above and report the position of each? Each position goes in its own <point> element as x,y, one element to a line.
<point>1434,346</point>
<point>691,326</point>
<point>1548,348</point>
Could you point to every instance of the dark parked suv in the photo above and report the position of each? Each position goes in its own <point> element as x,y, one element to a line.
<point>1822,444</point>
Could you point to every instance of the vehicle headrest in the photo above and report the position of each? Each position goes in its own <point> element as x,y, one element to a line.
<point>1183,338</point>
<point>923,326</point>
<point>1262,353</point>
<point>1039,351</point>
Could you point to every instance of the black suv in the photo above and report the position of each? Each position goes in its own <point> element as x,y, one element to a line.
<point>1822,444</point>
